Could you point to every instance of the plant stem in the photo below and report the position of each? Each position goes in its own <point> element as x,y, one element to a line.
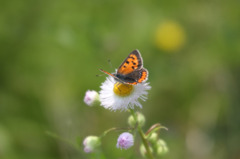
<point>113,129</point>
<point>144,140</point>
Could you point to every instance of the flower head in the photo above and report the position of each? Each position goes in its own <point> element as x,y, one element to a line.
<point>90,143</point>
<point>118,96</point>
<point>91,97</point>
<point>125,141</point>
<point>170,36</point>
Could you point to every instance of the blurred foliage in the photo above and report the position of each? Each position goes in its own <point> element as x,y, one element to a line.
<point>52,50</point>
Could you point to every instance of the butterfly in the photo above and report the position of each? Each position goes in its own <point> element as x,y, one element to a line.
<point>131,70</point>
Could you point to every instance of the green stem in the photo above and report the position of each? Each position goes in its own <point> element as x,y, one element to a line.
<point>113,129</point>
<point>144,140</point>
<point>107,131</point>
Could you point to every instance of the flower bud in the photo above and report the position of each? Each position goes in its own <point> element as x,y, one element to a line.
<point>131,121</point>
<point>125,141</point>
<point>161,147</point>
<point>143,150</point>
<point>140,120</point>
<point>153,137</point>
<point>91,98</point>
<point>90,143</point>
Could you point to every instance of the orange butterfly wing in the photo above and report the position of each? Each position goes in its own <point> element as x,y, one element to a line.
<point>131,63</point>
<point>131,71</point>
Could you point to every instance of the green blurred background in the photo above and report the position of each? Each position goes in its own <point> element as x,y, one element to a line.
<point>50,53</point>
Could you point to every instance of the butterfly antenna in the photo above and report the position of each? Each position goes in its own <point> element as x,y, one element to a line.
<point>110,63</point>
<point>99,75</point>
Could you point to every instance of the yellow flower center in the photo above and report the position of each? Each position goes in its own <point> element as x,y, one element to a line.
<point>122,89</point>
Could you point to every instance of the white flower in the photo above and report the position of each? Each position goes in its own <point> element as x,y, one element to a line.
<point>119,96</point>
<point>91,97</point>
<point>125,141</point>
<point>90,143</point>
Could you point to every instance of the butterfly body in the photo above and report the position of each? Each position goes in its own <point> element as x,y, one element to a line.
<point>131,71</point>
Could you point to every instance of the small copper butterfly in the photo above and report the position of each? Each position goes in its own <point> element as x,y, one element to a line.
<point>131,71</point>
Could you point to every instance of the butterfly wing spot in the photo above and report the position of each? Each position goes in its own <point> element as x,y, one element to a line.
<point>127,62</point>
<point>133,67</point>
<point>133,56</point>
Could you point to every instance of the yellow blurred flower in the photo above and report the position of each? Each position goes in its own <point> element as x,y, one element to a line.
<point>170,36</point>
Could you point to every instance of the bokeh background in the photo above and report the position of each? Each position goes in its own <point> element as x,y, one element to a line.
<point>50,53</point>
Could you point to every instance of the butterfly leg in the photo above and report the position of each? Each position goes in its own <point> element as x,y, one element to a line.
<point>118,83</point>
